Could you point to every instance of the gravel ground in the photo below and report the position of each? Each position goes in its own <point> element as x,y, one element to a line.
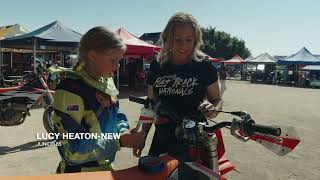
<point>267,104</point>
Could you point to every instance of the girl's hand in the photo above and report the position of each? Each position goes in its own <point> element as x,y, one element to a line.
<point>208,109</point>
<point>132,139</point>
<point>137,151</point>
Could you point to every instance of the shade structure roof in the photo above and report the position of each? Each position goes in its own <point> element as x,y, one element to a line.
<point>136,46</point>
<point>235,60</point>
<point>248,58</point>
<point>11,31</point>
<point>302,57</point>
<point>53,34</point>
<point>264,58</point>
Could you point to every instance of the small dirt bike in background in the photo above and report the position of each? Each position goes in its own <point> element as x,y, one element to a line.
<point>205,142</point>
<point>15,102</point>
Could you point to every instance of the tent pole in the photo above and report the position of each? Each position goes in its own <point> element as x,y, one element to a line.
<point>1,62</point>
<point>34,56</point>
<point>62,58</point>
<point>11,59</point>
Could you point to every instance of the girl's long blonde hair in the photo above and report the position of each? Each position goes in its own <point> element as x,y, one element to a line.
<point>166,37</point>
<point>100,39</point>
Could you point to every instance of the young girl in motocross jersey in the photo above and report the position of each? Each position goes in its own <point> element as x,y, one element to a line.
<point>85,102</point>
<point>181,79</point>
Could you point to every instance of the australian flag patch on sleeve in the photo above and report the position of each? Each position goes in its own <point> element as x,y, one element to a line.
<point>73,108</point>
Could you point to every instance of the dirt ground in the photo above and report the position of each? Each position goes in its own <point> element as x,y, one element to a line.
<point>267,104</point>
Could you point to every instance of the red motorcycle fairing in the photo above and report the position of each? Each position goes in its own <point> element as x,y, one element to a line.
<point>33,89</point>
<point>6,89</point>
<point>287,141</point>
<point>134,172</point>
<point>220,147</point>
<point>124,174</point>
<point>34,94</point>
<point>226,166</point>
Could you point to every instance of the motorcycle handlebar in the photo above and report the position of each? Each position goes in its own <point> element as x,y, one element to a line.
<point>275,131</point>
<point>146,102</point>
<point>248,127</point>
<point>138,100</point>
<point>217,126</point>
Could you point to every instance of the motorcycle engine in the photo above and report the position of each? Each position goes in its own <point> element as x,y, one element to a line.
<point>12,113</point>
<point>12,118</point>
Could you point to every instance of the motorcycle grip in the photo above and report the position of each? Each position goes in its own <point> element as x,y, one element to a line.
<point>275,131</point>
<point>138,100</point>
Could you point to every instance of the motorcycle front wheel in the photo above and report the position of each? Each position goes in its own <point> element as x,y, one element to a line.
<point>11,117</point>
<point>48,119</point>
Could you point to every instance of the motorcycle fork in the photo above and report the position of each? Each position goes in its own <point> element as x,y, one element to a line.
<point>46,88</point>
<point>209,153</point>
<point>205,153</point>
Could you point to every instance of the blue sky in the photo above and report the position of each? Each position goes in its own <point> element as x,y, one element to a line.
<point>279,27</point>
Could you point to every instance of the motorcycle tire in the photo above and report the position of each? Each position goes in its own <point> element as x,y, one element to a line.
<point>12,118</point>
<point>48,119</point>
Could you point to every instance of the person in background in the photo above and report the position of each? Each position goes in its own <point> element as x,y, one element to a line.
<point>223,73</point>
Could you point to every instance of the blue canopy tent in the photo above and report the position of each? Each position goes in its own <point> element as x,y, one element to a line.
<point>54,35</point>
<point>303,57</point>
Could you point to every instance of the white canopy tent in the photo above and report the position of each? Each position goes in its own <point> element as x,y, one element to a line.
<point>248,58</point>
<point>264,58</point>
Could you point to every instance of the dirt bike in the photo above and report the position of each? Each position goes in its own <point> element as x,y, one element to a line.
<point>15,102</point>
<point>16,81</point>
<point>206,148</point>
<point>279,139</point>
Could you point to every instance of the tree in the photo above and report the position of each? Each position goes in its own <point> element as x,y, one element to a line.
<point>221,44</point>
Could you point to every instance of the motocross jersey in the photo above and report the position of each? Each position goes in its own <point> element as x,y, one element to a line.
<point>79,106</point>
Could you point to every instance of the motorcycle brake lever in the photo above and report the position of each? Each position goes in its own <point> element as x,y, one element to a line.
<point>235,125</point>
<point>241,114</point>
